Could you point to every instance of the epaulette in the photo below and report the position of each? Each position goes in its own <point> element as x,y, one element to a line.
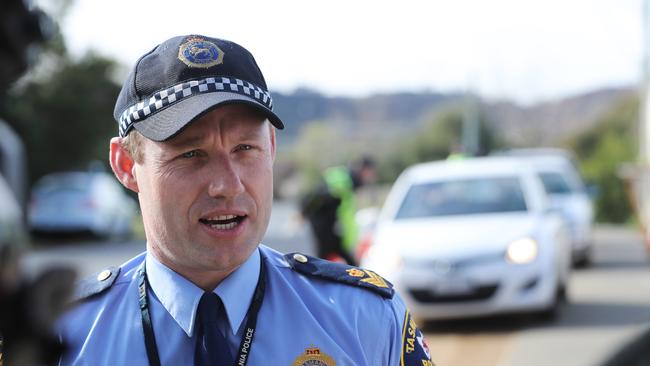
<point>96,284</point>
<point>339,272</point>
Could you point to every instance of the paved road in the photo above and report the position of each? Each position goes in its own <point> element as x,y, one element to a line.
<point>609,301</point>
<point>609,304</point>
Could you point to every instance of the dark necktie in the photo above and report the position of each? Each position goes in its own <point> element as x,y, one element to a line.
<point>211,346</point>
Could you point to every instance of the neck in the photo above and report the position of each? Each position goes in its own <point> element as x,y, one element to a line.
<point>207,280</point>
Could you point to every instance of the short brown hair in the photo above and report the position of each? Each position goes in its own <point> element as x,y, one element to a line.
<point>133,144</point>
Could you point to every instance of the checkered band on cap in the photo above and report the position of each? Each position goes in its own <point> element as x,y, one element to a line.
<point>176,93</point>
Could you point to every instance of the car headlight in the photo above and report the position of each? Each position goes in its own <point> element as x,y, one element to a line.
<point>522,251</point>
<point>383,259</point>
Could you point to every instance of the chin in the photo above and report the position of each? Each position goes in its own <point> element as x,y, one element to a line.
<point>230,256</point>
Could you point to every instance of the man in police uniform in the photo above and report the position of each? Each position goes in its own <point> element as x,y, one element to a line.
<point>197,144</point>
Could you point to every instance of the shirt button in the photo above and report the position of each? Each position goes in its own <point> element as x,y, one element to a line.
<point>300,258</point>
<point>103,275</point>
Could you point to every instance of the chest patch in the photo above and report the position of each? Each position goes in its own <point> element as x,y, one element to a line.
<point>313,356</point>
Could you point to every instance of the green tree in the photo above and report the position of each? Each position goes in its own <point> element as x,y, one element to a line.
<point>437,138</point>
<point>64,116</point>
<point>602,150</point>
<point>319,145</point>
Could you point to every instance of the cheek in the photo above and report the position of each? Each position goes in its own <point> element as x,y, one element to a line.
<point>264,186</point>
<point>161,199</point>
<point>257,177</point>
<point>149,202</point>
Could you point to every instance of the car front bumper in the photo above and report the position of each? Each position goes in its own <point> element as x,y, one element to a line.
<point>477,290</point>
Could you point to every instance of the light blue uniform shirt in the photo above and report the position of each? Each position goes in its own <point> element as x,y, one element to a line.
<point>351,325</point>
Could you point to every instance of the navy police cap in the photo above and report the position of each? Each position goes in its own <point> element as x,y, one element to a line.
<point>185,77</point>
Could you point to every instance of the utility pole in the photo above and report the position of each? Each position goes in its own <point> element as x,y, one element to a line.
<point>640,180</point>
<point>471,128</point>
<point>644,117</point>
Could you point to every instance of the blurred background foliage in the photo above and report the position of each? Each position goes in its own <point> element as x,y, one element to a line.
<point>438,137</point>
<point>601,150</point>
<point>63,111</point>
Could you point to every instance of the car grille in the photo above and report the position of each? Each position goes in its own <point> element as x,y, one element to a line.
<point>479,293</point>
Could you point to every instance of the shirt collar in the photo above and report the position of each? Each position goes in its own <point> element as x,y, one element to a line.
<point>180,297</point>
<point>236,291</point>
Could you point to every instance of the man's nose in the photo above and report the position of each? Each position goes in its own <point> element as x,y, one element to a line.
<point>225,180</point>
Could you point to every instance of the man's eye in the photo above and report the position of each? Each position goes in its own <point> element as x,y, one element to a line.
<point>244,147</point>
<point>190,154</point>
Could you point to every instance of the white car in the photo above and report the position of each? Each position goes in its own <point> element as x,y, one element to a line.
<point>470,238</point>
<point>81,201</point>
<point>568,194</point>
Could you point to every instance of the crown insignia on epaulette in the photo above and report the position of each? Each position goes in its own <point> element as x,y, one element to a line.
<point>355,272</point>
<point>372,278</point>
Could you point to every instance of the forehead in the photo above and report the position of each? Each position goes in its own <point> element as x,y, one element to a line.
<point>232,118</point>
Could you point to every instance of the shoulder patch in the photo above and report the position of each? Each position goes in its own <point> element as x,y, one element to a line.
<point>96,284</point>
<point>339,272</point>
<point>415,351</point>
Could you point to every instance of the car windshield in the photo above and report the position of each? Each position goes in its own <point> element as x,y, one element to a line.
<point>555,183</point>
<point>463,197</point>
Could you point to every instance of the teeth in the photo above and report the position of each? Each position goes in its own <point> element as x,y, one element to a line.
<point>222,222</point>
<point>222,217</point>
<point>224,226</point>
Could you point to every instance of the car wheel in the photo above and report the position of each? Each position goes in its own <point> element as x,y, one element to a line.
<point>552,312</point>
<point>584,260</point>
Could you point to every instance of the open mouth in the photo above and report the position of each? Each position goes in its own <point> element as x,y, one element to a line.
<point>223,222</point>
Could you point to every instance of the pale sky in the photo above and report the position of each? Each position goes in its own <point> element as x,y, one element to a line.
<point>516,49</point>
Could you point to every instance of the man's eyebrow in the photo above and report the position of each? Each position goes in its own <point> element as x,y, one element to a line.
<point>249,134</point>
<point>184,141</point>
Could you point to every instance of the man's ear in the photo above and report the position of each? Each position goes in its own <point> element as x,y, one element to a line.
<point>272,141</point>
<point>123,165</point>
